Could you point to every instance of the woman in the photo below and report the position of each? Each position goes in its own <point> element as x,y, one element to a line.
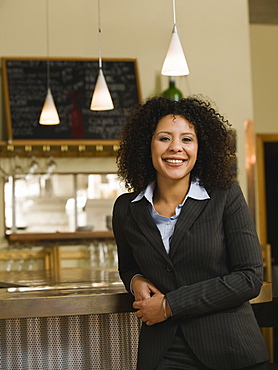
<point>187,245</point>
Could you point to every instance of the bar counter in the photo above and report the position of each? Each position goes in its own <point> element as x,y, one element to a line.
<point>69,319</point>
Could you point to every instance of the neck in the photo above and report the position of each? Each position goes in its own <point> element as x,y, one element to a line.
<point>171,192</point>
<point>168,195</point>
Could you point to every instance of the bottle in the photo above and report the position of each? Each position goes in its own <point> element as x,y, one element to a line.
<point>172,92</point>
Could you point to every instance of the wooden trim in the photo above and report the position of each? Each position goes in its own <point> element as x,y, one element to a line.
<point>57,143</point>
<point>263,12</point>
<point>261,190</point>
<point>59,148</point>
<point>250,156</point>
<point>6,99</point>
<point>78,235</point>
<point>262,217</point>
<point>266,252</point>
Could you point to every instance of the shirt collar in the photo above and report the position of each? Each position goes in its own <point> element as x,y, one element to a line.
<point>195,192</point>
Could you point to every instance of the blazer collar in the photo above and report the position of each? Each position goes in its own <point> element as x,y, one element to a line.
<point>147,225</point>
<point>190,211</point>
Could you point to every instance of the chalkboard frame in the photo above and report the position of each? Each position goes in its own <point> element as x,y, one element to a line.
<point>8,91</point>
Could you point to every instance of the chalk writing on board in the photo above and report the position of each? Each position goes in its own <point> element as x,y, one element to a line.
<point>72,84</point>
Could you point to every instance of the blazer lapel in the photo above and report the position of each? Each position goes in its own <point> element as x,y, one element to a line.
<point>190,211</point>
<point>147,225</point>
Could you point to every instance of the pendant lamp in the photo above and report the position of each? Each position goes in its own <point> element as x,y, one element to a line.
<point>175,63</point>
<point>101,99</point>
<point>49,114</point>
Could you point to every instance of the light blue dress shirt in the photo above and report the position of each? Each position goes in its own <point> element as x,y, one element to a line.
<point>166,225</point>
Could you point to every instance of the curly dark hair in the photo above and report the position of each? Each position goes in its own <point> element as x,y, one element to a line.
<point>216,160</point>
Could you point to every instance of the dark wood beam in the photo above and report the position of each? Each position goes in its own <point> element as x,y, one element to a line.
<point>263,11</point>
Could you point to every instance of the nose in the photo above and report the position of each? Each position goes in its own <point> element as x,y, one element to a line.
<point>175,145</point>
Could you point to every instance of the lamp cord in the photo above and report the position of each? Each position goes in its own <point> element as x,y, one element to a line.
<point>174,11</point>
<point>99,36</point>
<point>47,44</point>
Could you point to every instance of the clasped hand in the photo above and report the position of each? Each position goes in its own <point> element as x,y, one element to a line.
<point>148,301</point>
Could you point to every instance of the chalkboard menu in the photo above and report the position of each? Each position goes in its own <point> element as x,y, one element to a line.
<point>72,83</point>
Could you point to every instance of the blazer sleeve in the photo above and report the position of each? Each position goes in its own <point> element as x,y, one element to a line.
<point>244,260</point>
<point>127,265</point>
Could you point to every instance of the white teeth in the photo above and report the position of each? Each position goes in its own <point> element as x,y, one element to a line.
<point>174,160</point>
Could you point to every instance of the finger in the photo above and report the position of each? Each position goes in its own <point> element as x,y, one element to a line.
<point>145,295</point>
<point>136,304</point>
<point>138,313</point>
<point>155,290</point>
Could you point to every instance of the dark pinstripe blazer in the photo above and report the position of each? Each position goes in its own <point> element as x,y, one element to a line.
<point>213,269</point>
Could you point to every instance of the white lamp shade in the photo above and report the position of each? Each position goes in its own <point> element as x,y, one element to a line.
<point>101,99</point>
<point>175,63</point>
<point>49,114</point>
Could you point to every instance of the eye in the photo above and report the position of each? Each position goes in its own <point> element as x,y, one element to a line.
<point>187,139</point>
<point>164,138</point>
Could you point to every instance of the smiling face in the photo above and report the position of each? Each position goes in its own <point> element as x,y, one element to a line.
<point>174,149</point>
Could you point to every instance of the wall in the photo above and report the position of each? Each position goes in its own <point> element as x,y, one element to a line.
<point>215,36</point>
<point>264,53</point>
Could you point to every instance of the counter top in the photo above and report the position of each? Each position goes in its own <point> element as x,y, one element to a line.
<point>61,276</point>
<point>62,293</point>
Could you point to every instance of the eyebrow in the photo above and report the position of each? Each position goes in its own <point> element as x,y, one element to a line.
<point>170,133</point>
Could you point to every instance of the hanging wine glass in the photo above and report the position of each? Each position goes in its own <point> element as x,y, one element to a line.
<point>16,167</point>
<point>33,166</point>
<point>51,166</point>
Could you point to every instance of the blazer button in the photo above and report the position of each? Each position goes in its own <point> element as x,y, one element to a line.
<point>169,268</point>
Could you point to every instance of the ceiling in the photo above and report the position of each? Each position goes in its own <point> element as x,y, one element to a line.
<point>263,11</point>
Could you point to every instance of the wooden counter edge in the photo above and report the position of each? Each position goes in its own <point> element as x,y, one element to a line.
<point>64,305</point>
